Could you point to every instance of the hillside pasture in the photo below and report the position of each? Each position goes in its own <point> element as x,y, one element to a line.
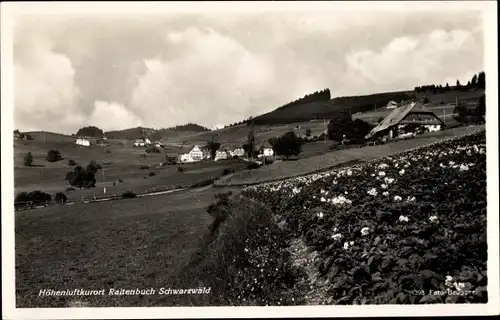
<point>122,163</point>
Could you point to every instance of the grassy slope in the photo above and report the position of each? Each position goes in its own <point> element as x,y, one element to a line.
<point>122,163</point>
<point>134,243</point>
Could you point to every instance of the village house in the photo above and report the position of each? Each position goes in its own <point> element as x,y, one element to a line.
<point>82,142</point>
<point>412,114</point>
<point>222,153</point>
<point>266,150</point>
<point>391,105</point>
<point>142,142</point>
<point>239,151</point>
<point>195,154</point>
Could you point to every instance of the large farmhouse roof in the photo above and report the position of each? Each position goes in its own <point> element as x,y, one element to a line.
<point>398,115</point>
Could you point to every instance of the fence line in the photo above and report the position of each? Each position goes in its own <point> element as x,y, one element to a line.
<point>28,205</point>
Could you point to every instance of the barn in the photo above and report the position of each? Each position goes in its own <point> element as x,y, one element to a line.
<point>404,119</point>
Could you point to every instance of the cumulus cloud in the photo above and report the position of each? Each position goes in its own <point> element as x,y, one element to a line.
<point>211,73</point>
<point>45,92</point>
<point>212,69</point>
<point>113,116</point>
<point>408,61</point>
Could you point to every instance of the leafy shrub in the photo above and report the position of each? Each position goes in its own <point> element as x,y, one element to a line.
<point>108,151</point>
<point>152,149</point>
<point>227,171</point>
<point>143,155</point>
<point>71,162</point>
<point>253,165</point>
<point>28,160</point>
<point>128,195</point>
<point>143,167</point>
<point>180,169</point>
<point>35,198</point>
<point>53,156</point>
<point>60,198</point>
<point>70,189</point>
<point>83,178</point>
<point>235,157</point>
<point>152,174</point>
<point>120,180</point>
<point>287,145</point>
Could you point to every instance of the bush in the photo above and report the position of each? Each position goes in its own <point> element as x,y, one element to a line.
<point>71,162</point>
<point>143,167</point>
<point>120,180</point>
<point>287,145</point>
<point>108,151</point>
<point>152,149</point>
<point>180,169</point>
<point>253,165</point>
<point>35,198</point>
<point>129,195</point>
<point>53,156</point>
<point>28,159</point>
<point>227,171</point>
<point>60,198</point>
<point>83,178</point>
<point>152,174</point>
<point>235,157</point>
<point>70,189</point>
<point>143,155</point>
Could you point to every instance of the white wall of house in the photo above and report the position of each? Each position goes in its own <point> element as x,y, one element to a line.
<point>220,155</point>
<point>83,142</point>
<point>196,154</point>
<point>433,128</point>
<point>268,152</point>
<point>240,152</point>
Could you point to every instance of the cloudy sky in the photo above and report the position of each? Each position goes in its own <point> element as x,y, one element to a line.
<point>117,72</point>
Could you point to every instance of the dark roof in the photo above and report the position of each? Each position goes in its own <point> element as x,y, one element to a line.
<point>398,114</point>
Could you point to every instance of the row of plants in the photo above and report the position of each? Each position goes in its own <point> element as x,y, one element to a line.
<point>404,229</point>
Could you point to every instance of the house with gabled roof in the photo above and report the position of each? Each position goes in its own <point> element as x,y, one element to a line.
<point>413,113</point>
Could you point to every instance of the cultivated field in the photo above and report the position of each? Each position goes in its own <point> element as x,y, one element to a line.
<point>404,229</point>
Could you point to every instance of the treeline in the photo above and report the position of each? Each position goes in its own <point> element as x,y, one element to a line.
<point>189,127</point>
<point>323,95</point>
<point>328,109</point>
<point>90,131</point>
<point>478,81</point>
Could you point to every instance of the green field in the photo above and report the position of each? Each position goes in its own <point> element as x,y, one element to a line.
<point>132,243</point>
<point>122,163</point>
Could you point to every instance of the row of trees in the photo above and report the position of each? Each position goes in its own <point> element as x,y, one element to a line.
<point>322,95</point>
<point>477,81</point>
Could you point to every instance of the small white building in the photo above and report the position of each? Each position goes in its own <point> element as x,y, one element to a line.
<point>147,141</point>
<point>139,143</point>
<point>433,128</point>
<point>82,142</point>
<point>221,154</point>
<point>240,152</point>
<point>392,105</point>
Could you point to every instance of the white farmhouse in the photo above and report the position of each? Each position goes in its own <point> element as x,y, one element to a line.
<point>240,152</point>
<point>139,143</point>
<point>391,105</point>
<point>82,142</point>
<point>221,154</point>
